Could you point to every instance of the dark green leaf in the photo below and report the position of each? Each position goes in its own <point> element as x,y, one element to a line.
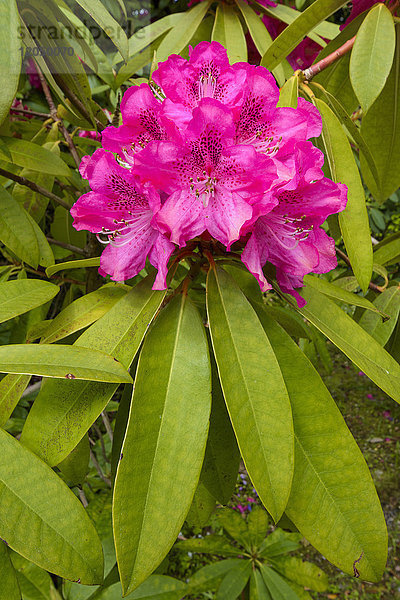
<point>277,587</point>
<point>234,582</point>
<point>10,56</point>
<point>9,589</point>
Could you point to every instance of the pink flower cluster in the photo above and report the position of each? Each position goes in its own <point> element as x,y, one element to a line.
<point>204,151</point>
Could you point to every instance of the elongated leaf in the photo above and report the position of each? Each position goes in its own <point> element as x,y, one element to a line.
<point>165,441</point>
<point>303,573</point>
<point>218,30</point>
<point>358,345</point>
<point>296,31</point>
<point>334,291</point>
<point>372,55</point>
<point>256,27</point>
<point>10,56</point>
<point>254,391</point>
<point>83,312</point>
<point>209,577</point>
<point>76,465</point>
<point>159,587</point>
<point>279,542</point>
<point>16,230</point>
<point>287,14</point>
<point>289,93</point>
<point>9,589</point>
<point>121,422</point>
<point>11,389</point>
<point>146,35</point>
<point>389,301</point>
<point>61,537</point>
<point>21,295</point>
<point>119,333</point>
<point>66,362</point>
<point>202,507</point>
<point>353,220</point>
<point>35,157</point>
<point>178,37</point>
<point>73,264</point>
<point>258,589</point>
<point>277,587</point>
<point>222,457</point>
<point>384,116</point>
<point>234,36</point>
<point>211,544</point>
<point>234,582</point>
<point>46,256</point>
<point>387,252</point>
<point>34,582</point>
<point>330,470</point>
<point>98,12</point>
<point>257,523</point>
<point>235,525</point>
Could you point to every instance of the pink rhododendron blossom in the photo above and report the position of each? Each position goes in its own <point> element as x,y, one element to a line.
<point>205,154</point>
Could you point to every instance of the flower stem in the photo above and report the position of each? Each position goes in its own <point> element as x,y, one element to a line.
<point>35,187</point>
<point>329,60</point>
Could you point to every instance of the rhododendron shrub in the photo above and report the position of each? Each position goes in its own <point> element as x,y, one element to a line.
<point>211,153</point>
<point>185,211</point>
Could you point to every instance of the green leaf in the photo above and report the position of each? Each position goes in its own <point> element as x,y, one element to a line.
<point>66,362</point>
<point>146,35</point>
<point>61,536</point>
<point>178,37</point>
<point>218,31</point>
<point>16,230</point>
<point>209,577</point>
<point>47,430</point>
<point>277,587</point>
<point>385,253</point>
<point>73,264</point>
<point>384,117</point>
<point>261,420</point>
<point>287,14</point>
<point>34,157</point>
<point>98,12</point>
<point>353,220</point>
<point>21,295</point>
<point>330,470</point>
<point>222,456</point>
<point>46,256</point>
<point>35,584</point>
<point>372,55</point>
<point>234,582</point>
<point>76,465</point>
<point>339,293</point>
<point>210,544</point>
<point>83,312</point>
<point>388,301</point>
<point>257,30</point>
<point>9,589</point>
<point>202,507</point>
<point>358,345</point>
<point>279,542</point>
<point>10,56</point>
<point>236,46</point>
<point>11,389</point>
<point>164,443</point>
<point>257,523</point>
<point>234,524</point>
<point>258,590</point>
<point>121,422</point>
<point>289,93</point>
<point>301,572</point>
<point>298,29</point>
<point>159,587</point>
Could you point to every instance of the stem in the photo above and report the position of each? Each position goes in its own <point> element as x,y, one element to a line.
<point>83,498</point>
<point>98,469</point>
<point>73,98</point>
<point>345,258</point>
<point>35,187</point>
<point>71,247</point>
<point>107,425</point>
<point>31,113</point>
<point>56,118</point>
<point>328,60</point>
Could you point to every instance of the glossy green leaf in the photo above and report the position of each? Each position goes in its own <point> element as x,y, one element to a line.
<point>121,422</point>
<point>209,577</point>
<point>257,30</point>
<point>356,343</point>
<point>46,256</point>
<point>34,582</point>
<point>158,587</point>
<point>21,295</point>
<point>65,362</point>
<point>254,391</point>
<point>61,537</point>
<point>99,13</point>
<point>146,35</point>
<point>279,542</point>
<point>35,157</point>
<point>10,55</point>
<point>222,456</point>
<point>76,465</point>
<point>83,312</point>
<point>16,230</point>
<point>257,523</point>
<point>73,264</point>
<point>236,46</point>
<point>234,582</point>
<point>277,587</point>
<point>165,441</point>
<point>202,507</point>
<point>218,31</point>
<point>47,430</point>
<point>258,589</point>
<point>339,293</point>
<point>301,572</point>
<point>384,117</point>
<point>372,55</point>
<point>389,302</point>
<point>288,14</point>
<point>234,524</point>
<point>177,38</point>
<point>11,389</point>
<point>387,252</point>
<point>353,220</point>
<point>289,93</point>
<point>298,29</point>
<point>9,588</point>
<point>210,544</point>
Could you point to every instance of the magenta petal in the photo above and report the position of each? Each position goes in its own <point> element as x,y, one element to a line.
<point>181,217</point>
<point>159,256</point>
<point>125,261</point>
<point>226,214</point>
<point>311,113</point>
<point>254,257</point>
